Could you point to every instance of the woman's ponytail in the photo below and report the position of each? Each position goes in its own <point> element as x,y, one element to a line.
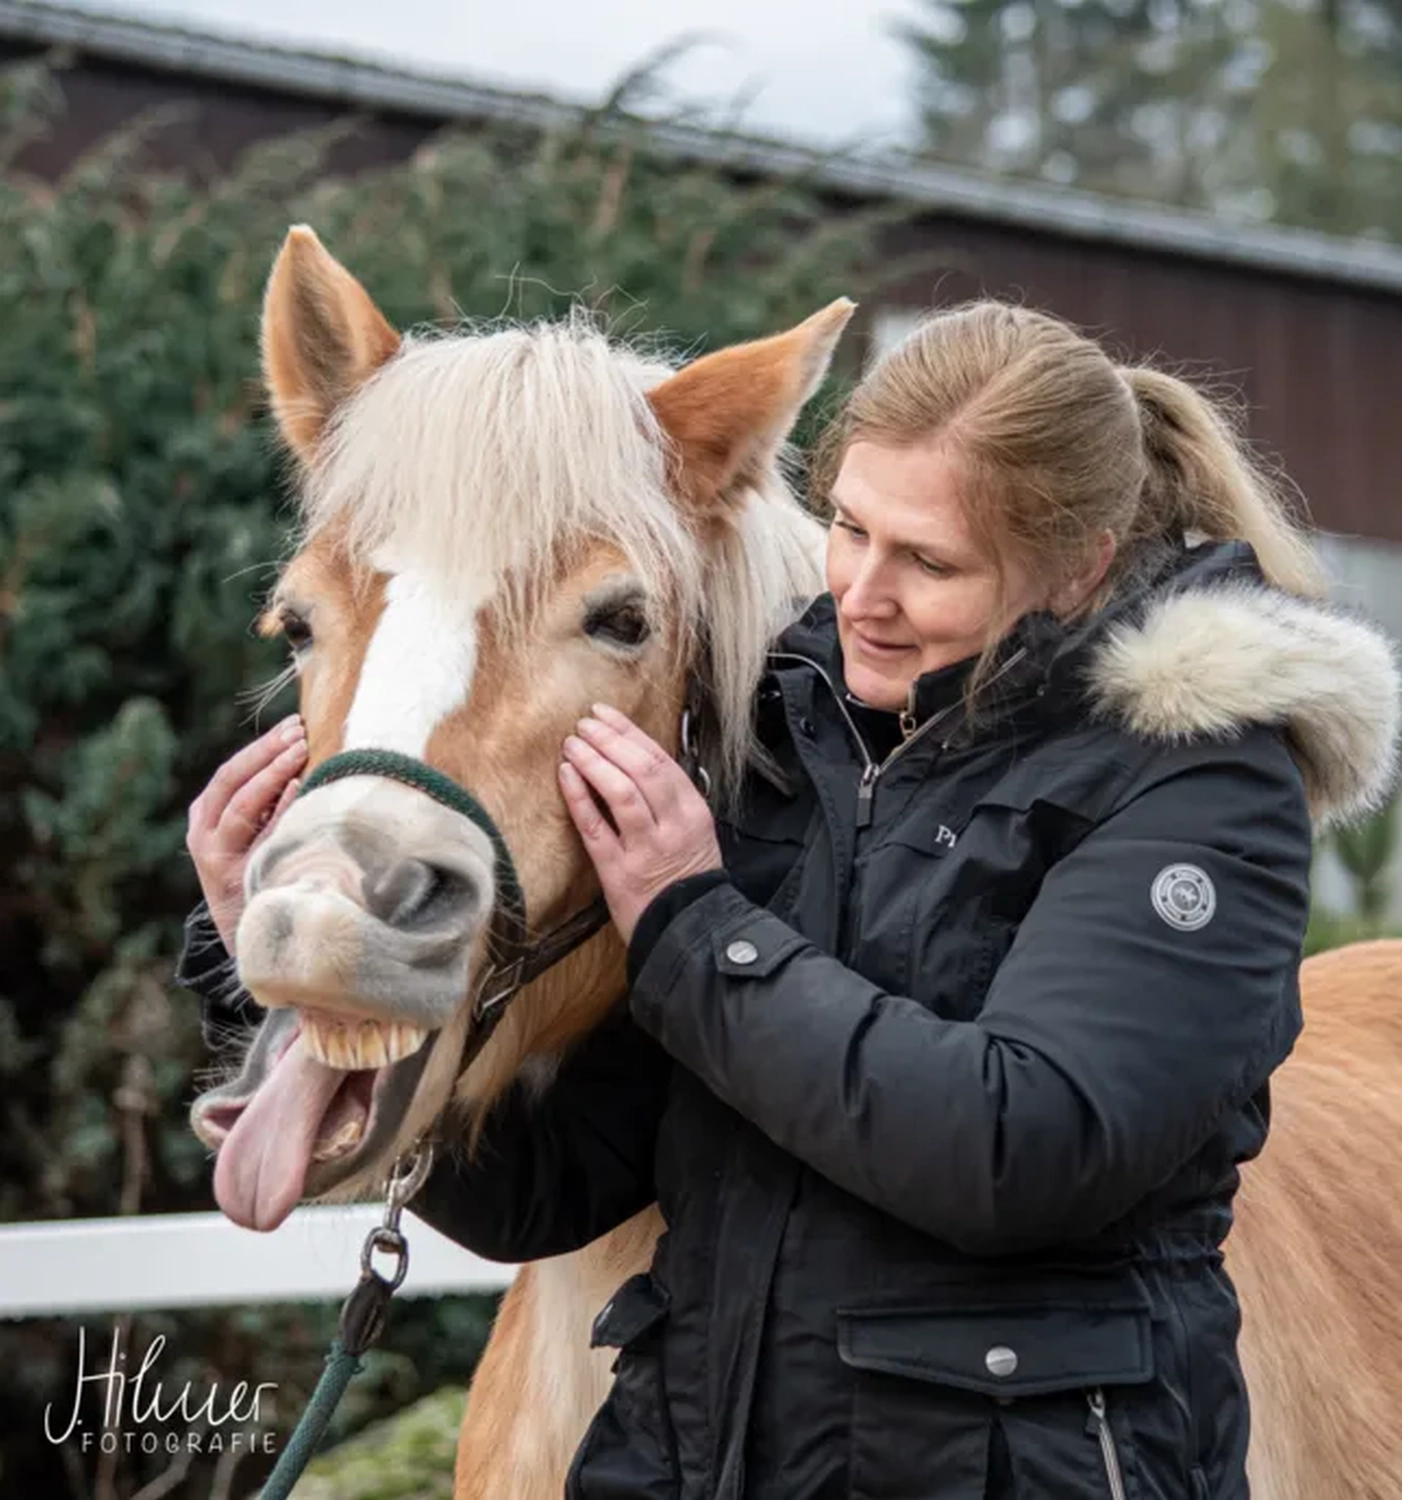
<point>1202,480</point>
<point>1058,445</point>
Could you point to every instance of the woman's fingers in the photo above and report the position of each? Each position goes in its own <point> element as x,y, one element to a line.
<point>664,828</point>
<point>209,807</point>
<point>654,773</point>
<point>258,801</point>
<point>289,796</point>
<point>622,794</point>
<point>593,826</point>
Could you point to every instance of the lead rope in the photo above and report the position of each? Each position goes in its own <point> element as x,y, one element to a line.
<point>362,1321</point>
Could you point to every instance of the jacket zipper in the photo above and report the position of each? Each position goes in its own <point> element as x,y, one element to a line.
<point>866,786</point>
<point>1108,1451</point>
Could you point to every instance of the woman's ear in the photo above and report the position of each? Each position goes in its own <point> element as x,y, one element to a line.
<point>1079,591</point>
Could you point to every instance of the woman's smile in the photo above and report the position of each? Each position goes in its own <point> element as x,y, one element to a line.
<point>878,649</point>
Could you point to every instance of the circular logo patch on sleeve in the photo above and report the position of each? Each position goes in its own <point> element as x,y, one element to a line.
<point>1184,896</point>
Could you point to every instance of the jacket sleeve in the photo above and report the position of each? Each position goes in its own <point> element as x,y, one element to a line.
<point>206,968</point>
<point>1112,1044</point>
<point>554,1168</point>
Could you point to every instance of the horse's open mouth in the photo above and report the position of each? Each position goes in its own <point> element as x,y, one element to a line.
<point>332,1097</point>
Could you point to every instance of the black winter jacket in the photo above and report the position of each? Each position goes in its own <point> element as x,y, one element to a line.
<point>943,1092</point>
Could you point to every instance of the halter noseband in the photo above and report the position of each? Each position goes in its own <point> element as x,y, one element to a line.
<point>521,961</point>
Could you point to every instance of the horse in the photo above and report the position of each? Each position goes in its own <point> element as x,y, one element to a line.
<point>1316,1250</point>
<point>499,529</point>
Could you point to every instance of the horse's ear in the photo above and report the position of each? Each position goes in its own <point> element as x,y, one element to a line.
<point>728,413</point>
<point>322,337</point>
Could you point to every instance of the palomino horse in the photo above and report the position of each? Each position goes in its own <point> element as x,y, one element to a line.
<point>501,530</point>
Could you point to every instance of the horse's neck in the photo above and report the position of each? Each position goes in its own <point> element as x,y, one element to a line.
<point>539,1382</point>
<point>547,1017</point>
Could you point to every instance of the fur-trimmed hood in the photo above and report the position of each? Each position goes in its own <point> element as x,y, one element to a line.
<point>1217,651</point>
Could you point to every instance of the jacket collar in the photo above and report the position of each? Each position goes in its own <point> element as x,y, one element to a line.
<point>1202,648</point>
<point>815,636</point>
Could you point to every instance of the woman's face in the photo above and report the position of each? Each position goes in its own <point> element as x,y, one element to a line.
<point>913,593</point>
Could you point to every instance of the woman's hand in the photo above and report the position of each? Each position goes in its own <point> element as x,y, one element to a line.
<point>665,830</point>
<point>234,813</point>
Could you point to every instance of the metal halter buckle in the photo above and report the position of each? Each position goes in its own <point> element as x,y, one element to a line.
<point>503,981</point>
<point>689,758</point>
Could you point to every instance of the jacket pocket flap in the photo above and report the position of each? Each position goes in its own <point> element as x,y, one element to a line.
<point>753,950</point>
<point>1003,1351</point>
<point>638,1305</point>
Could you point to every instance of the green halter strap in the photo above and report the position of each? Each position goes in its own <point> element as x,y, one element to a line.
<point>443,789</point>
<point>516,962</point>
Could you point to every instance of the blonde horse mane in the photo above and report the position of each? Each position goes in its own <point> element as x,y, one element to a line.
<point>484,458</point>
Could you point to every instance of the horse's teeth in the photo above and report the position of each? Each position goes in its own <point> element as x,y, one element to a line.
<point>349,1045</point>
<point>368,1046</point>
<point>405,1040</point>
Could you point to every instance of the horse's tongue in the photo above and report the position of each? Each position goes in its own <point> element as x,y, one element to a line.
<point>262,1164</point>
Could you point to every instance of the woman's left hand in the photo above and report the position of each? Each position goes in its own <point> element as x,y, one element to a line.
<point>665,830</point>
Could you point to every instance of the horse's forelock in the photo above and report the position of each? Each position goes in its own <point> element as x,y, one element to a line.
<point>482,459</point>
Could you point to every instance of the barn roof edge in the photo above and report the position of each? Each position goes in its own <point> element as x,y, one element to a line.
<point>361,82</point>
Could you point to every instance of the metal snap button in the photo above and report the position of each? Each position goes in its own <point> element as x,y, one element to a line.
<point>1000,1361</point>
<point>742,952</point>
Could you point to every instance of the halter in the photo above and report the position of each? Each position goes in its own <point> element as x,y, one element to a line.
<point>519,961</point>
<point>363,1312</point>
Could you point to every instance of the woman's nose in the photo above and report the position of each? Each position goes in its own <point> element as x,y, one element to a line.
<point>867,594</point>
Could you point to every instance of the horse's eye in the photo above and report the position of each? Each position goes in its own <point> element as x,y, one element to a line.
<point>296,631</point>
<point>623,625</point>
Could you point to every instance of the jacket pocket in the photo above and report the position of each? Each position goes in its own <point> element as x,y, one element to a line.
<point>630,1447</point>
<point>931,1382</point>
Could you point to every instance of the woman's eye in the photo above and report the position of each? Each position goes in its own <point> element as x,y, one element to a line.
<point>847,526</point>
<point>297,632</point>
<point>626,626</point>
<point>934,569</point>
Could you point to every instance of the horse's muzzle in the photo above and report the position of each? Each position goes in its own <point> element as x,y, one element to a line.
<point>367,901</point>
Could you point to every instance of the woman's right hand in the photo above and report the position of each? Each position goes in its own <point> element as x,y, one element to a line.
<point>235,812</point>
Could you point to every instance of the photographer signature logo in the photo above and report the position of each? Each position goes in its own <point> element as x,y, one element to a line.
<point>134,1403</point>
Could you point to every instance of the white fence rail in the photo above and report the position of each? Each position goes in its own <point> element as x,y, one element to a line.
<point>170,1261</point>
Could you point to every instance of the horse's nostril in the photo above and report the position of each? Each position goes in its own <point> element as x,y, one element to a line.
<point>416,894</point>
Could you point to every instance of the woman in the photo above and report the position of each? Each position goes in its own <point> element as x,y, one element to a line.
<point>966,1023</point>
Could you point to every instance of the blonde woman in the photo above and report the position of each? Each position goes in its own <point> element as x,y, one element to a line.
<point>942,1058</point>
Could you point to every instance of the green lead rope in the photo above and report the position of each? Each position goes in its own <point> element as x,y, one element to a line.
<point>362,1321</point>
<point>341,1368</point>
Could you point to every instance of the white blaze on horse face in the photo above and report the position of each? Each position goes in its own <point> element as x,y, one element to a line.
<point>418,667</point>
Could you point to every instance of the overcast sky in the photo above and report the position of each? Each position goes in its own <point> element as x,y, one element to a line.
<point>826,70</point>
